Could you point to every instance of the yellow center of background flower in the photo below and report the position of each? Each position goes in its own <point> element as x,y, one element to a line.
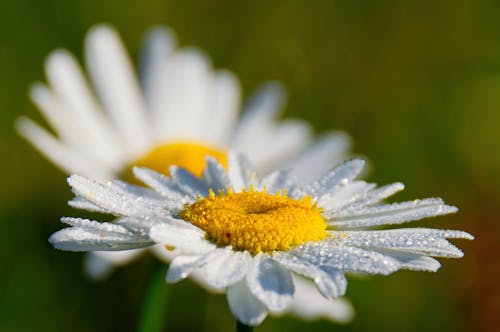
<point>190,156</point>
<point>257,221</point>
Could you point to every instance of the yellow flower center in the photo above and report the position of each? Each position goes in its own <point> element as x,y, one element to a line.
<point>257,221</point>
<point>190,156</point>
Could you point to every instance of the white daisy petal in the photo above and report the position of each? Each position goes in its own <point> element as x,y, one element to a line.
<point>329,150</point>
<point>285,141</point>
<point>278,180</point>
<point>215,175</point>
<point>83,204</point>
<point>225,269</point>
<point>181,267</point>
<point>224,116</point>
<point>159,44</point>
<point>343,196</point>
<point>375,196</point>
<point>185,94</point>
<point>258,117</point>
<point>245,307</point>
<point>395,213</point>
<point>340,176</point>
<point>62,155</point>
<point>138,224</point>
<point>271,283</point>
<point>52,108</point>
<point>116,85</point>
<point>139,191</point>
<point>184,265</point>
<point>67,80</point>
<point>423,241</point>
<point>160,183</point>
<point>331,283</point>
<point>188,183</point>
<point>258,128</point>
<point>412,261</point>
<point>324,254</point>
<point>86,235</point>
<point>115,199</point>
<point>92,224</point>
<point>187,238</point>
<point>239,172</point>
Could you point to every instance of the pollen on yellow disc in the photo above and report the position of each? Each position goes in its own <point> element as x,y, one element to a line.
<point>257,221</point>
<point>186,155</point>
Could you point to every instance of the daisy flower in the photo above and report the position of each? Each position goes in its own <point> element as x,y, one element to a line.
<point>251,236</point>
<point>178,111</point>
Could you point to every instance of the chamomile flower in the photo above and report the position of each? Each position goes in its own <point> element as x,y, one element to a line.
<point>177,112</point>
<point>251,236</point>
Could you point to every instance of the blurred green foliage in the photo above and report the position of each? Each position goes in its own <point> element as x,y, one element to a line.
<point>416,83</point>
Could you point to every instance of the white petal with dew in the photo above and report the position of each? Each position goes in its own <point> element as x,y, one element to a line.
<point>226,268</point>
<point>331,283</point>
<point>188,239</point>
<point>187,182</point>
<point>374,196</point>
<point>161,184</point>
<point>339,176</point>
<point>184,265</point>
<point>245,307</point>
<point>271,283</point>
<point>410,261</point>
<point>181,267</point>
<point>82,204</point>
<point>278,180</point>
<point>118,200</point>
<point>344,258</point>
<point>423,241</point>
<point>395,213</point>
<point>342,196</point>
<point>89,235</point>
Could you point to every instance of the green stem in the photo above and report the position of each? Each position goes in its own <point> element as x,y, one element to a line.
<point>240,327</point>
<point>154,309</point>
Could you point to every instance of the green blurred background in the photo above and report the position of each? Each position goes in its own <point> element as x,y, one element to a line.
<point>416,84</point>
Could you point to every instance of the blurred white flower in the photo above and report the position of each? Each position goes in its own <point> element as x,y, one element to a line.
<point>178,111</point>
<point>250,236</point>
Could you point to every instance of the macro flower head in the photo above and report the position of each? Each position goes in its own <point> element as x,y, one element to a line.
<point>252,236</point>
<point>177,112</point>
